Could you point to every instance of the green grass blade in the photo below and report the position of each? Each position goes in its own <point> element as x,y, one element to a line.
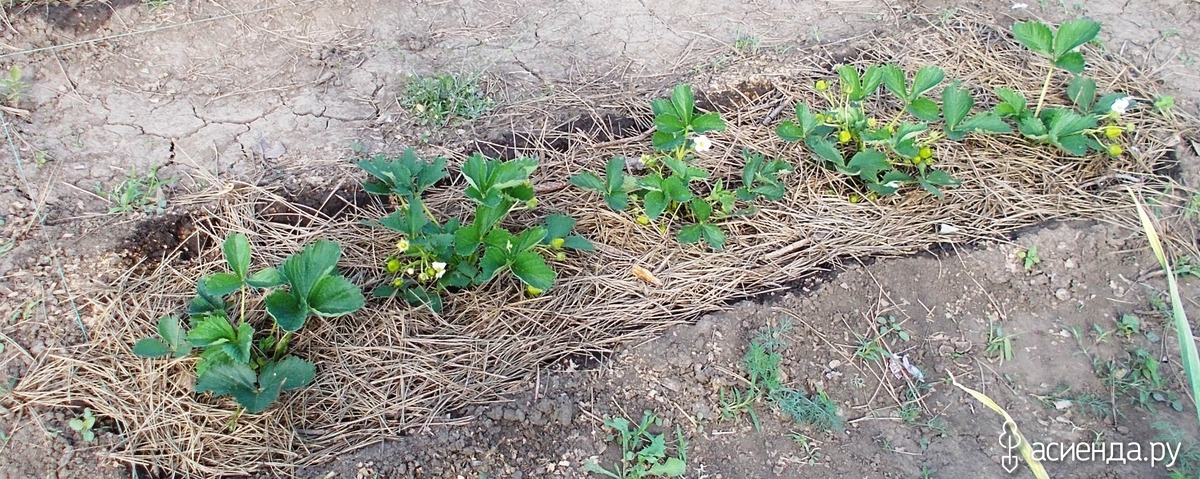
<point>1187,343</point>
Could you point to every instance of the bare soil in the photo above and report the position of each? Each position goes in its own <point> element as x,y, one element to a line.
<point>200,89</point>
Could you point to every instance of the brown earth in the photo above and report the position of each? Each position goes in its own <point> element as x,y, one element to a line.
<point>199,89</point>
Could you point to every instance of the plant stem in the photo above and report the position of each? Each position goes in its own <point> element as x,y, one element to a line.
<point>281,346</point>
<point>242,313</point>
<point>898,115</point>
<point>1045,87</point>
<point>233,421</point>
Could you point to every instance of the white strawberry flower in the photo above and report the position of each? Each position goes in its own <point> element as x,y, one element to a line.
<point>702,143</point>
<point>1121,105</point>
<point>439,269</point>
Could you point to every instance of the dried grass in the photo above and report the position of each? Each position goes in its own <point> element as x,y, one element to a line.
<point>392,368</point>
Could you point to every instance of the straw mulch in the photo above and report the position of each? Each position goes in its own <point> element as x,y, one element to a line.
<point>391,368</point>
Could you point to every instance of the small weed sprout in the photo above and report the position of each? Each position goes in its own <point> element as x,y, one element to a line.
<point>888,325</point>
<point>13,86</point>
<point>998,343</point>
<point>643,454</point>
<point>1164,104</point>
<point>746,44</point>
<point>1029,257</point>
<point>870,350</point>
<point>440,99</point>
<point>1129,325</point>
<point>155,5</point>
<point>138,192</point>
<point>83,425</point>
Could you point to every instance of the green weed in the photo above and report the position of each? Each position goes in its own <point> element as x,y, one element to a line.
<point>443,98</point>
<point>83,425</point>
<point>138,192</point>
<point>13,86</point>
<point>1164,104</point>
<point>999,344</point>
<point>762,362</point>
<point>1187,463</point>
<point>889,325</point>
<point>1189,357</point>
<point>808,446</point>
<point>745,44</point>
<point>643,454</point>
<point>1129,325</point>
<point>1137,376</point>
<point>1029,257</point>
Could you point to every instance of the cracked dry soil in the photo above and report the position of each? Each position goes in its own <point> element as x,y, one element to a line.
<point>216,92</point>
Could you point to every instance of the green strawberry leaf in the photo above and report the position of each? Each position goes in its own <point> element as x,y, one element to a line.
<point>267,278</point>
<point>151,348</point>
<point>923,108</point>
<point>588,181</point>
<point>1035,36</point>
<point>956,104</point>
<point>335,296</point>
<point>314,262</point>
<point>927,77</point>
<point>288,310</point>
<point>708,122</point>
<point>1073,34</point>
<point>1082,92</point>
<point>237,255</point>
<point>655,203</point>
<point>211,330</point>
<point>532,269</point>
<point>291,372</point>
<point>1072,62</point>
<point>221,284</point>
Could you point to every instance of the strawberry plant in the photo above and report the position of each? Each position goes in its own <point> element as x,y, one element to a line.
<point>884,157</point>
<point>235,359</point>
<point>433,256</point>
<point>674,188</point>
<point>1093,124</point>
